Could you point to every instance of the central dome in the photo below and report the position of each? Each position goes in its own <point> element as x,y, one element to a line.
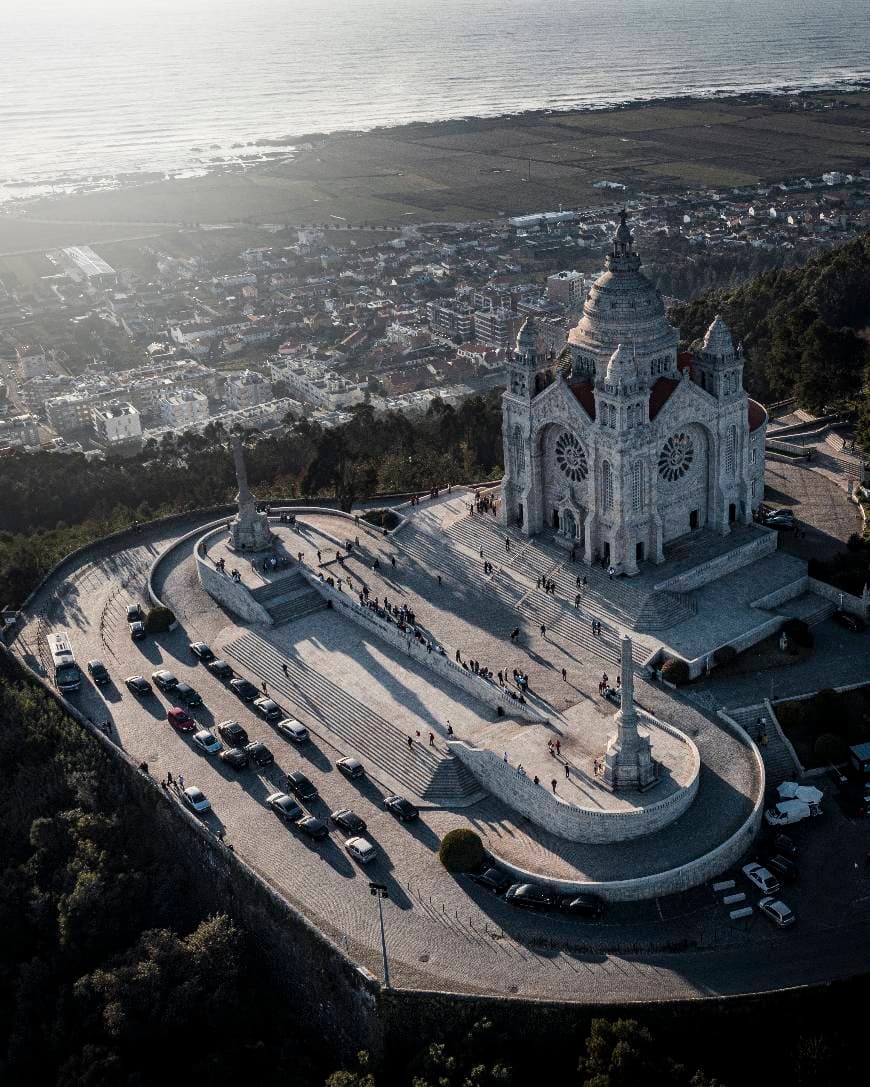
<point>624,307</point>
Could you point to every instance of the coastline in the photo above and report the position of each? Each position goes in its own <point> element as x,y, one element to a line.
<point>467,168</point>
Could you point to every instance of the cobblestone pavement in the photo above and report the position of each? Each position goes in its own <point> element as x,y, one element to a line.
<point>442,931</point>
<point>824,512</point>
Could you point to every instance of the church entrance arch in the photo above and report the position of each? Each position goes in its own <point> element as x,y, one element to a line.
<point>564,481</point>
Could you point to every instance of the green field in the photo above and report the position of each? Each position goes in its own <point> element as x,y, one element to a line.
<point>475,169</point>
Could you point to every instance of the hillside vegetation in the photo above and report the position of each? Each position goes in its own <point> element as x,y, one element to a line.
<point>805,331</point>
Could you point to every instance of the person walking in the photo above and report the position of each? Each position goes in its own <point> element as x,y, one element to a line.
<point>543,630</point>
<point>449,729</point>
<point>431,739</point>
<point>554,783</point>
<point>505,756</point>
<point>565,674</point>
<point>558,746</point>
<point>567,770</point>
<point>181,781</point>
<point>169,780</point>
<point>265,690</point>
<point>507,543</point>
<point>410,742</point>
<point>284,669</point>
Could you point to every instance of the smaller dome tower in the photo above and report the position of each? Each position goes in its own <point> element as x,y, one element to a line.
<point>718,366</point>
<point>526,360</point>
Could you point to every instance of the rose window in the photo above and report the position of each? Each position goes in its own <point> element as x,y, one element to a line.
<point>571,458</point>
<point>676,457</point>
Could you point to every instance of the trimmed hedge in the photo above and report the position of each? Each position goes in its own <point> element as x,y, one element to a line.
<point>675,671</point>
<point>725,654</point>
<point>461,850</point>
<point>158,620</point>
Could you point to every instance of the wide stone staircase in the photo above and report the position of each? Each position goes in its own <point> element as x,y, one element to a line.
<point>288,598</point>
<point>435,777</point>
<point>779,764</point>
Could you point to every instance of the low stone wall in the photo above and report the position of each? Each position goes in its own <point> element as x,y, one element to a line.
<point>571,821</point>
<point>674,880</point>
<point>781,595</point>
<point>855,605</point>
<point>721,565</point>
<point>233,595</point>
<point>483,690</point>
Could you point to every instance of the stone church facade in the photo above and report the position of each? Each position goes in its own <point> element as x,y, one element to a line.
<point>629,444</point>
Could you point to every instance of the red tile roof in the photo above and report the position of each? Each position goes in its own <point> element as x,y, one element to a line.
<point>585,397</point>
<point>757,414</point>
<point>660,394</point>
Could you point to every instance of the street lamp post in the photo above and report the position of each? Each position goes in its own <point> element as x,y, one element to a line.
<point>380,892</point>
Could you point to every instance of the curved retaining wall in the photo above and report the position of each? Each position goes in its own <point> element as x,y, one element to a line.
<point>673,880</point>
<point>571,821</point>
<point>231,594</point>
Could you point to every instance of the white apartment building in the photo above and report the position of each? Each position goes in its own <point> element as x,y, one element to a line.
<point>247,389</point>
<point>69,413</point>
<point>34,393</point>
<point>183,409</point>
<point>117,422</point>
<point>312,383</point>
<point>20,430</point>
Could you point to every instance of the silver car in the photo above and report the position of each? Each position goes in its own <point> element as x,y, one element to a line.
<point>777,911</point>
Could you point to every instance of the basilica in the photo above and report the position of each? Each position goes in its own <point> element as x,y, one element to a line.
<point>624,444</point>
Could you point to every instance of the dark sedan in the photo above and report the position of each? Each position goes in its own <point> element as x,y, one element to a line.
<point>234,757</point>
<point>348,821</point>
<point>301,786</point>
<point>186,694</point>
<point>259,754</point>
<point>494,879</point>
<point>582,905</point>
<point>285,807</point>
<point>202,651</point>
<point>244,689</point>
<point>401,808</point>
<point>232,733</point>
<point>530,896</point>
<point>99,672</point>
<point>138,685</point>
<point>220,669</point>
<point>313,827</point>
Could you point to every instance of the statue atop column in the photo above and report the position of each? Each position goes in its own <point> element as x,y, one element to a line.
<point>249,530</point>
<point>628,761</point>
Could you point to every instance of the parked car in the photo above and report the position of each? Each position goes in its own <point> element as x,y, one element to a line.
<point>186,694</point>
<point>494,879</point>
<point>164,679</point>
<point>219,668</point>
<point>180,719</point>
<point>134,613</point>
<point>401,808</point>
<point>292,730</point>
<point>347,821</point>
<point>196,799</point>
<point>99,672</point>
<point>849,621</point>
<point>243,688</point>
<point>232,733</point>
<point>777,911</point>
<point>234,757</point>
<point>790,811</point>
<point>351,768</point>
<point>313,827</point>
<point>202,651</point>
<point>301,786</point>
<point>137,630</point>
<point>259,754</point>
<point>285,807</point>
<point>782,866</point>
<point>530,896</point>
<point>138,685</point>
<point>268,708</point>
<point>782,518</point>
<point>361,849</point>
<point>206,741</point>
<point>582,905</point>
<point>765,881</point>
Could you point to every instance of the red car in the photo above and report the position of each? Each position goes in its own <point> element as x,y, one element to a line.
<point>181,719</point>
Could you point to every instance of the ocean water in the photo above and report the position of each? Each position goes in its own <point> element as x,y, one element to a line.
<point>94,90</point>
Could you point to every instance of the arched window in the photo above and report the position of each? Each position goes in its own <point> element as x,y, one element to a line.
<point>606,486</point>
<point>731,451</point>
<point>637,495</point>
<point>519,451</point>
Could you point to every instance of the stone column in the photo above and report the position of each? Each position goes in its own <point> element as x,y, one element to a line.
<point>628,762</point>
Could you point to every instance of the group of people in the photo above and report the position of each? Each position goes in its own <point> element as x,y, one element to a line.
<point>604,688</point>
<point>482,503</point>
<point>488,568</point>
<point>547,584</point>
<point>287,519</point>
<point>273,562</point>
<point>416,499</point>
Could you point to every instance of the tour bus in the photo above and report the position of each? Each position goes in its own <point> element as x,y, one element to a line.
<point>66,672</point>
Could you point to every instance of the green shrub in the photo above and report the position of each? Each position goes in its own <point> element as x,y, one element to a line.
<point>725,654</point>
<point>158,620</point>
<point>829,748</point>
<point>461,850</point>
<point>675,671</point>
<point>797,631</point>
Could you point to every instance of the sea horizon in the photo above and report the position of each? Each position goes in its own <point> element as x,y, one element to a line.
<point>180,112</point>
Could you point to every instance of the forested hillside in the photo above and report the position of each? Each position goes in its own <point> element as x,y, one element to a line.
<point>805,331</point>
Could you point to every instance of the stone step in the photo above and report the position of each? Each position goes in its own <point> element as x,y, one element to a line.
<point>420,769</point>
<point>305,603</point>
<point>809,607</point>
<point>279,587</point>
<point>663,609</point>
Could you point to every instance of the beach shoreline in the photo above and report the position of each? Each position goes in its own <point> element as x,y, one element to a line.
<point>477,167</point>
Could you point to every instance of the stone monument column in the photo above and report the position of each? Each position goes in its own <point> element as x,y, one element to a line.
<point>249,530</point>
<point>628,761</point>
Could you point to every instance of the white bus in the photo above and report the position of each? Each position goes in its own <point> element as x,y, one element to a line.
<point>66,672</point>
